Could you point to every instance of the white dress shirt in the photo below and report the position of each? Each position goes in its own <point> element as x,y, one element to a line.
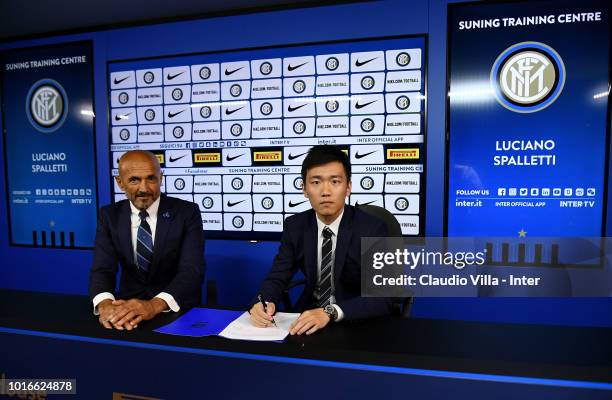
<point>334,227</point>
<point>135,224</point>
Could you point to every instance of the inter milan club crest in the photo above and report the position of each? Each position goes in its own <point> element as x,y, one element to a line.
<point>527,77</point>
<point>238,222</point>
<point>47,105</point>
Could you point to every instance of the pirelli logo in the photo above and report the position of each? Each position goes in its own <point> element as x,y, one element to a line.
<point>160,158</point>
<point>207,157</point>
<point>402,154</point>
<point>267,156</point>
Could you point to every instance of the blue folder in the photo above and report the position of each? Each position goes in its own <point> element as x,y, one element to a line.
<point>200,322</point>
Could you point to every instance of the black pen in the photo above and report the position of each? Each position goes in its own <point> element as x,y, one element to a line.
<point>263,303</point>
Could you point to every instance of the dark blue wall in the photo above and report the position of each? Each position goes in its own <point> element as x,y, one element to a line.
<point>239,266</point>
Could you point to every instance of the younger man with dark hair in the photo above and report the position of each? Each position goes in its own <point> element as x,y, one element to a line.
<point>324,243</point>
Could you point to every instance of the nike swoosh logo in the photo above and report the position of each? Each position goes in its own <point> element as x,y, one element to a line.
<point>173,159</point>
<point>120,117</point>
<point>172,115</point>
<point>292,204</point>
<point>230,112</point>
<point>292,157</point>
<point>361,63</point>
<point>118,81</point>
<point>228,72</point>
<point>292,109</point>
<point>360,106</point>
<point>358,156</point>
<point>357,204</point>
<point>228,158</point>
<point>230,204</point>
<point>170,77</point>
<point>294,67</point>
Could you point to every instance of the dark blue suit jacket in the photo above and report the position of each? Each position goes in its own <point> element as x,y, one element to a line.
<point>178,264</point>
<point>298,251</point>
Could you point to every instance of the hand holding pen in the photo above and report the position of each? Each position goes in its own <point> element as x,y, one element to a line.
<point>262,312</point>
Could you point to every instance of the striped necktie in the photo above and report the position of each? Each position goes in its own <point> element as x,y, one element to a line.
<point>144,243</point>
<point>325,283</point>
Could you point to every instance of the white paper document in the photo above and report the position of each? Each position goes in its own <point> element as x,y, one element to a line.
<point>242,328</point>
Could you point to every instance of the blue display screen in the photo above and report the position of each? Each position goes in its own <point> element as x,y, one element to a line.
<point>49,147</point>
<point>528,130</point>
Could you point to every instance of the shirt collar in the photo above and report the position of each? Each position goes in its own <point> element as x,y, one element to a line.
<point>152,210</point>
<point>334,226</point>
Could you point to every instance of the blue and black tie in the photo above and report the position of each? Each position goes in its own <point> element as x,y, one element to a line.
<point>325,285</point>
<point>144,243</point>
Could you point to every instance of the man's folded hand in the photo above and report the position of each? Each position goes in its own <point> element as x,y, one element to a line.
<point>127,314</point>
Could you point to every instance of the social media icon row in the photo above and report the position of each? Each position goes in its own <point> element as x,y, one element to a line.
<point>63,192</point>
<point>545,192</point>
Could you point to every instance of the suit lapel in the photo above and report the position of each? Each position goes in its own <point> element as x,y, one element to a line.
<point>344,239</point>
<point>310,248</point>
<point>164,219</point>
<point>124,231</point>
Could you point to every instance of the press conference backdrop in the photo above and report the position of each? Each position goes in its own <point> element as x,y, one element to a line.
<point>528,118</point>
<point>231,129</point>
<point>49,145</point>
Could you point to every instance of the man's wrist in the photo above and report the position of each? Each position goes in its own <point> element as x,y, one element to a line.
<point>171,303</point>
<point>99,298</point>
<point>331,312</point>
<point>159,305</point>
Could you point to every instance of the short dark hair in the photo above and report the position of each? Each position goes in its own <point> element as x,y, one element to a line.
<point>323,154</point>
